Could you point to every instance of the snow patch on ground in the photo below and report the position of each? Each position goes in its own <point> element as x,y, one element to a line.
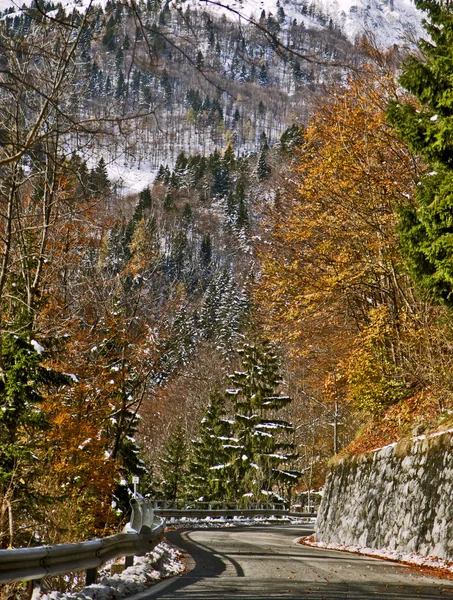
<point>129,180</point>
<point>224,522</point>
<point>164,561</point>
<point>410,558</point>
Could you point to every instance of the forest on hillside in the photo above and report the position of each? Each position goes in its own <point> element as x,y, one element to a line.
<point>279,293</point>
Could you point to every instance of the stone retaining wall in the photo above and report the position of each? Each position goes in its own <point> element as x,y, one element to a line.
<point>399,498</point>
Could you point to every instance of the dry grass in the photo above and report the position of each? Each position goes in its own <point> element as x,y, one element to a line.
<point>413,416</point>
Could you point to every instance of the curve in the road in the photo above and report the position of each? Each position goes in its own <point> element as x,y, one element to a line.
<point>267,563</point>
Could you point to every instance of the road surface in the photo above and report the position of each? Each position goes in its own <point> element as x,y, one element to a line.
<point>267,562</point>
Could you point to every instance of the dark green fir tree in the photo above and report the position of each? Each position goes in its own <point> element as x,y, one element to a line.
<point>265,451</point>
<point>174,465</point>
<point>210,471</point>
<point>262,169</point>
<point>426,228</point>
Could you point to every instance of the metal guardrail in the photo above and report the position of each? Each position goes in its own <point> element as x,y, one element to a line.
<point>201,509</point>
<point>218,513</point>
<point>142,534</point>
<point>215,505</point>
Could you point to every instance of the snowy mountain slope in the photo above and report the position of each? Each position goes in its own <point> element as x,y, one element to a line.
<point>389,22</point>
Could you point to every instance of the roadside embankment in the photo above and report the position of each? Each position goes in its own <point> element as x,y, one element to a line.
<point>399,497</point>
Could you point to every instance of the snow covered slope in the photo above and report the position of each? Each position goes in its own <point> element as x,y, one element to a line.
<point>389,22</point>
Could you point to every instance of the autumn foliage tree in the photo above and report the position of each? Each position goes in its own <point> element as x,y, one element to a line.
<point>332,282</point>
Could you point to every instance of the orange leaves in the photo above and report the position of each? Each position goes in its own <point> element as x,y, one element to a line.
<point>332,254</point>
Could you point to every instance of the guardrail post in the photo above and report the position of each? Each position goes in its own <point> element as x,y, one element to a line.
<point>34,589</point>
<point>91,576</point>
<point>129,562</point>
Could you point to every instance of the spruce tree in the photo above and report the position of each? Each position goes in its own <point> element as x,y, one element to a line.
<point>224,310</point>
<point>263,76</point>
<point>206,251</point>
<point>426,230</point>
<point>24,382</point>
<point>264,449</point>
<point>99,182</point>
<point>174,463</point>
<point>262,169</point>
<point>210,473</point>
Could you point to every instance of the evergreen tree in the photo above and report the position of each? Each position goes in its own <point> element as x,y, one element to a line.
<point>262,168</point>
<point>263,76</point>
<point>99,182</point>
<point>167,86</point>
<point>264,448</point>
<point>168,201</point>
<point>221,180</point>
<point>179,170</point>
<point>187,215</point>
<point>119,57</point>
<point>206,251</point>
<point>297,70</point>
<point>108,38</point>
<point>291,138</point>
<point>174,465</point>
<point>145,202</point>
<point>224,310</point>
<point>209,470</point>
<point>242,219</point>
<point>120,87</point>
<point>426,231</point>
<point>199,61</point>
<point>196,166</point>
<point>108,86</point>
<point>179,254</point>
<point>24,382</point>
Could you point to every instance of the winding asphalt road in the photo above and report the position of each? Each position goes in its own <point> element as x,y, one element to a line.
<point>267,562</point>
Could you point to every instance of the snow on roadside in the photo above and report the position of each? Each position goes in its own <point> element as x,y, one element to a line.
<point>223,522</point>
<point>409,558</point>
<point>164,561</point>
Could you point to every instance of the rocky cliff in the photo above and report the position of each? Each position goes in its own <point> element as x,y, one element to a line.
<point>399,498</point>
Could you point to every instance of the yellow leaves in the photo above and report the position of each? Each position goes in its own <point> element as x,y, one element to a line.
<point>333,255</point>
<point>142,249</point>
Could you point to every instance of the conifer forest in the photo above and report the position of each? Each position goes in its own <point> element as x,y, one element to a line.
<point>225,255</point>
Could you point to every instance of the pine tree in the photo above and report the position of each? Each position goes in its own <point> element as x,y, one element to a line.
<point>426,231</point>
<point>24,382</point>
<point>99,182</point>
<point>263,76</point>
<point>206,251</point>
<point>209,469</point>
<point>264,449</point>
<point>262,168</point>
<point>174,464</point>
